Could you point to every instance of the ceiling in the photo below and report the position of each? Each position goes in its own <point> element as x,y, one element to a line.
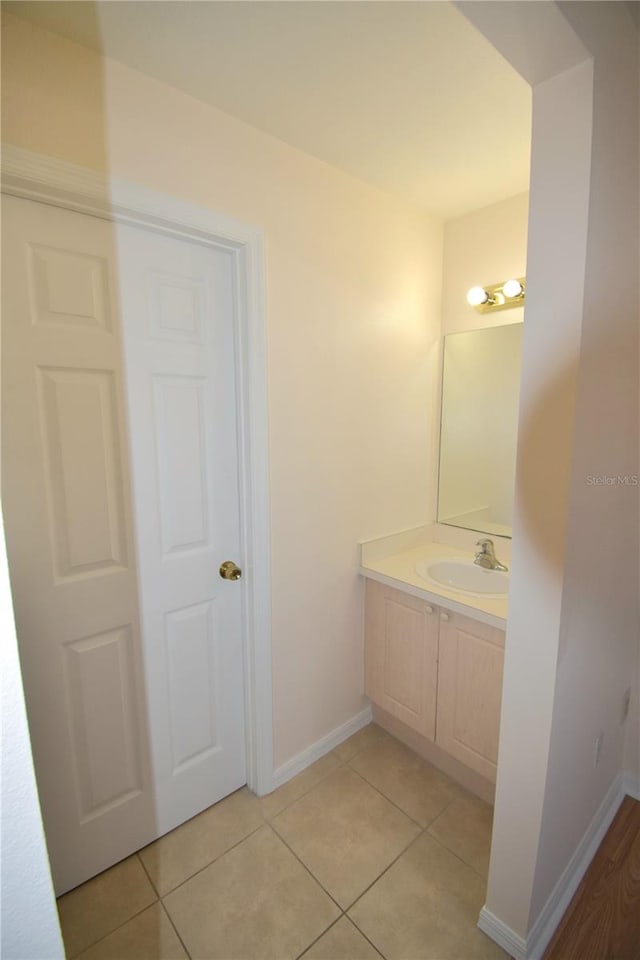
<point>407,96</point>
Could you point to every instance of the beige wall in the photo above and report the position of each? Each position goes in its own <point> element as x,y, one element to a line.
<point>486,246</point>
<point>353,290</point>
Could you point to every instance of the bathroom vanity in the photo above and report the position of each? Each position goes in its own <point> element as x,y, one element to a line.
<point>435,620</point>
<point>434,658</point>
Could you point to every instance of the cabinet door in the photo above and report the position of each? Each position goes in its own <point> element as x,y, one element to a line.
<point>402,656</point>
<point>470,692</point>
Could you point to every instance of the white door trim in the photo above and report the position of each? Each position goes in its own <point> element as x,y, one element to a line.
<point>35,176</point>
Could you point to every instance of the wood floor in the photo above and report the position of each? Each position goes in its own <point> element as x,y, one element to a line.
<point>603,919</point>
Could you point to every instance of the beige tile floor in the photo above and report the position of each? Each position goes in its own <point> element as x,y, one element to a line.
<point>369,853</point>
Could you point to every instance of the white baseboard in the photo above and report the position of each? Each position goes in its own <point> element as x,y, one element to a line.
<point>554,909</point>
<point>631,785</point>
<point>503,935</point>
<point>318,749</point>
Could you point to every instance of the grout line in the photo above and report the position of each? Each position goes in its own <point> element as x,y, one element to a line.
<point>342,916</point>
<point>388,799</point>
<point>363,934</point>
<point>426,762</point>
<point>441,814</point>
<point>177,932</point>
<point>146,873</point>
<point>215,860</point>
<point>425,828</point>
<point>341,763</point>
<point>308,869</point>
<point>422,826</point>
<point>362,750</point>
<point>179,826</point>
<point>453,853</point>
<point>319,937</point>
<point>386,870</point>
<point>117,927</point>
<point>109,932</point>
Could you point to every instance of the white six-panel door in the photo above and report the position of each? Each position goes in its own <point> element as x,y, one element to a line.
<point>177,310</point>
<point>131,734</point>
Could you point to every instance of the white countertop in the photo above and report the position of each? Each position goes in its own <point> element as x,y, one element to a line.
<point>399,570</point>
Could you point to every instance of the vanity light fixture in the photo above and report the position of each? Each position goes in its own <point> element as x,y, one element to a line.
<point>497,296</point>
<point>513,289</point>
<point>477,296</point>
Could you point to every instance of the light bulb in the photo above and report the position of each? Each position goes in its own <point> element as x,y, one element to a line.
<point>477,296</point>
<point>512,289</point>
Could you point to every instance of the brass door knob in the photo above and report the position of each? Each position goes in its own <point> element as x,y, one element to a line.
<point>230,570</point>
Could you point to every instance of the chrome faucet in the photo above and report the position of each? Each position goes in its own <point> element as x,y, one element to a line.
<point>486,556</point>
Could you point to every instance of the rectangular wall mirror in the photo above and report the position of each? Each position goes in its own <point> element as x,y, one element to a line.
<point>480,393</point>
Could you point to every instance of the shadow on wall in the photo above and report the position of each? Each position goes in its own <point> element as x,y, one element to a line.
<point>89,133</point>
<point>575,464</point>
<point>52,625</point>
<point>543,472</point>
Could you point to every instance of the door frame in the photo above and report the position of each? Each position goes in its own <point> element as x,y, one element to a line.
<point>34,176</point>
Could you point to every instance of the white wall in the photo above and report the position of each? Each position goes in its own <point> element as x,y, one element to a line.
<point>29,921</point>
<point>353,293</point>
<point>573,622</point>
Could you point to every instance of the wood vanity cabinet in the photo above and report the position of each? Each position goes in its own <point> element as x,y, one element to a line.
<point>438,672</point>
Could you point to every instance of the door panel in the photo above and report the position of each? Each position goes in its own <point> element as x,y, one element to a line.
<point>131,734</point>
<point>83,471</point>
<point>69,287</point>
<point>179,405</point>
<point>101,704</point>
<point>193,673</point>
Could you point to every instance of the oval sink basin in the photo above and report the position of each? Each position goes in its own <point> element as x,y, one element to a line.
<point>466,576</point>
